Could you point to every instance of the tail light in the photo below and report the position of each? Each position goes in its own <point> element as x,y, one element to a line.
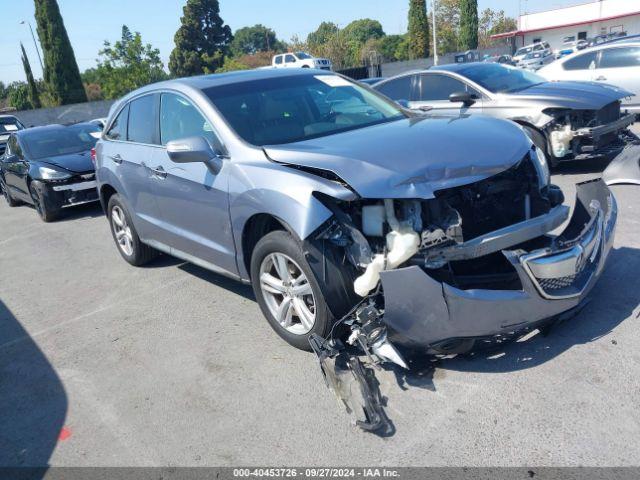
<point>93,156</point>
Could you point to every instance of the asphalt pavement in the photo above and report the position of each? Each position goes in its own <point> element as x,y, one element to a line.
<point>104,364</point>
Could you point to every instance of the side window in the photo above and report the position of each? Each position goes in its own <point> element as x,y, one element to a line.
<point>142,120</point>
<point>581,62</point>
<point>118,130</point>
<point>279,60</point>
<point>398,89</point>
<point>620,57</point>
<point>439,87</point>
<point>289,59</point>
<point>180,119</point>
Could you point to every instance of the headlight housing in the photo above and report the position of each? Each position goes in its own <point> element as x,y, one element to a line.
<point>47,173</point>
<point>539,160</point>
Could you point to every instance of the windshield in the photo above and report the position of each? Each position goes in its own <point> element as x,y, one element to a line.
<point>60,141</point>
<point>10,124</point>
<point>281,110</point>
<point>303,56</point>
<point>524,51</point>
<point>499,78</point>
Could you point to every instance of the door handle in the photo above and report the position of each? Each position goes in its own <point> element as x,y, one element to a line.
<point>601,78</point>
<point>159,172</point>
<point>116,158</point>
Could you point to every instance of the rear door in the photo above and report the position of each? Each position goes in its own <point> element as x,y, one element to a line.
<point>620,66</point>
<point>434,90</point>
<point>193,201</point>
<point>130,140</point>
<point>16,168</point>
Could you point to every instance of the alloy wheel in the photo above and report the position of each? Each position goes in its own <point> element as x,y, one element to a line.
<point>122,231</point>
<point>287,293</point>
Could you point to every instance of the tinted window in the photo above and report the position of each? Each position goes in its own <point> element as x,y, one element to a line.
<point>499,78</point>
<point>581,62</point>
<point>279,60</point>
<point>281,110</point>
<point>398,89</point>
<point>439,87</point>
<point>118,130</point>
<point>60,141</point>
<point>620,57</point>
<point>10,124</point>
<point>180,119</point>
<point>142,120</point>
<point>289,58</point>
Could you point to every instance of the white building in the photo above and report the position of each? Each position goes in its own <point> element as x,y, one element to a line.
<point>576,22</point>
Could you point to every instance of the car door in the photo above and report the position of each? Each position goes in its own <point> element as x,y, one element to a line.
<point>127,152</point>
<point>434,89</point>
<point>290,61</point>
<point>620,66</point>
<point>193,201</point>
<point>15,167</point>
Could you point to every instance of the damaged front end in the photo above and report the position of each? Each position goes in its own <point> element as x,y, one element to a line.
<point>588,134</point>
<point>437,275</point>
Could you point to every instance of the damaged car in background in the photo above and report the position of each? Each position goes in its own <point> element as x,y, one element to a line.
<point>568,121</point>
<point>367,232</point>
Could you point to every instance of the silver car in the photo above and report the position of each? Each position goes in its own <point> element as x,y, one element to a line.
<point>351,218</point>
<point>566,120</point>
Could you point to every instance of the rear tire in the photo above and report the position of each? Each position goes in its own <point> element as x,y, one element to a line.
<point>12,202</point>
<point>285,287</point>
<point>125,236</point>
<point>47,210</point>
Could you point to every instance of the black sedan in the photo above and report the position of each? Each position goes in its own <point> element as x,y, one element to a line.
<point>50,168</point>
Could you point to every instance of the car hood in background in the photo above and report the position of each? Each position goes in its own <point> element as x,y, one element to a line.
<point>412,158</point>
<point>575,95</point>
<point>74,162</point>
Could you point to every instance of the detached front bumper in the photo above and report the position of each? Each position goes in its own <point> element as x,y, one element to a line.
<point>604,141</point>
<point>422,312</point>
<point>74,192</point>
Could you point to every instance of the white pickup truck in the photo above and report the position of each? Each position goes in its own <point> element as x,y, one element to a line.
<point>299,60</point>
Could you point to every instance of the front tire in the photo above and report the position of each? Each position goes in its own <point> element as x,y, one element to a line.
<point>287,291</point>
<point>47,210</point>
<point>125,236</point>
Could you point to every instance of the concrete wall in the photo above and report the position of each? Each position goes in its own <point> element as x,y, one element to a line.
<point>75,113</point>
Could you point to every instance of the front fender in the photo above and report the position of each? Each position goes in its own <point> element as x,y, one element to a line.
<point>282,192</point>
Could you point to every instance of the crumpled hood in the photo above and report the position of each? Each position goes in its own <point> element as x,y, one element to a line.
<point>74,162</point>
<point>576,95</point>
<point>412,158</point>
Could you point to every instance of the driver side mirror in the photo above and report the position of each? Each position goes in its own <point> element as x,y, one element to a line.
<point>195,150</point>
<point>467,98</point>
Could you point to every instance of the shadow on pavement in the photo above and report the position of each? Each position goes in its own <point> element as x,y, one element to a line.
<point>33,402</point>
<point>219,280</point>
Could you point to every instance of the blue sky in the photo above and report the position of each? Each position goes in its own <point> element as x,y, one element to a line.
<point>90,22</point>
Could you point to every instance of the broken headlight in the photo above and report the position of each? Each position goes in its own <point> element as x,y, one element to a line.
<point>539,160</point>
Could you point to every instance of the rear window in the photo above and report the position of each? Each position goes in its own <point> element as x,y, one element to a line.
<point>9,125</point>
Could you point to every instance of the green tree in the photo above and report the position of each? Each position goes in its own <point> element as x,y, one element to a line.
<point>322,35</point>
<point>468,24</point>
<point>61,74</point>
<point>418,29</point>
<point>34,97</point>
<point>126,65</point>
<point>389,47</point>
<point>202,41</point>
<point>18,96</point>
<point>250,40</point>
<point>448,25</point>
<point>359,31</point>
<point>492,22</point>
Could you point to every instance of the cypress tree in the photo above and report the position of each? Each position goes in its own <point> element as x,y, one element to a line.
<point>61,73</point>
<point>468,24</point>
<point>202,41</point>
<point>418,29</point>
<point>34,98</point>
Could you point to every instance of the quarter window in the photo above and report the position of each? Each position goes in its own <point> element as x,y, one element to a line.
<point>180,119</point>
<point>118,130</point>
<point>581,62</point>
<point>398,89</point>
<point>620,57</point>
<point>141,120</point>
